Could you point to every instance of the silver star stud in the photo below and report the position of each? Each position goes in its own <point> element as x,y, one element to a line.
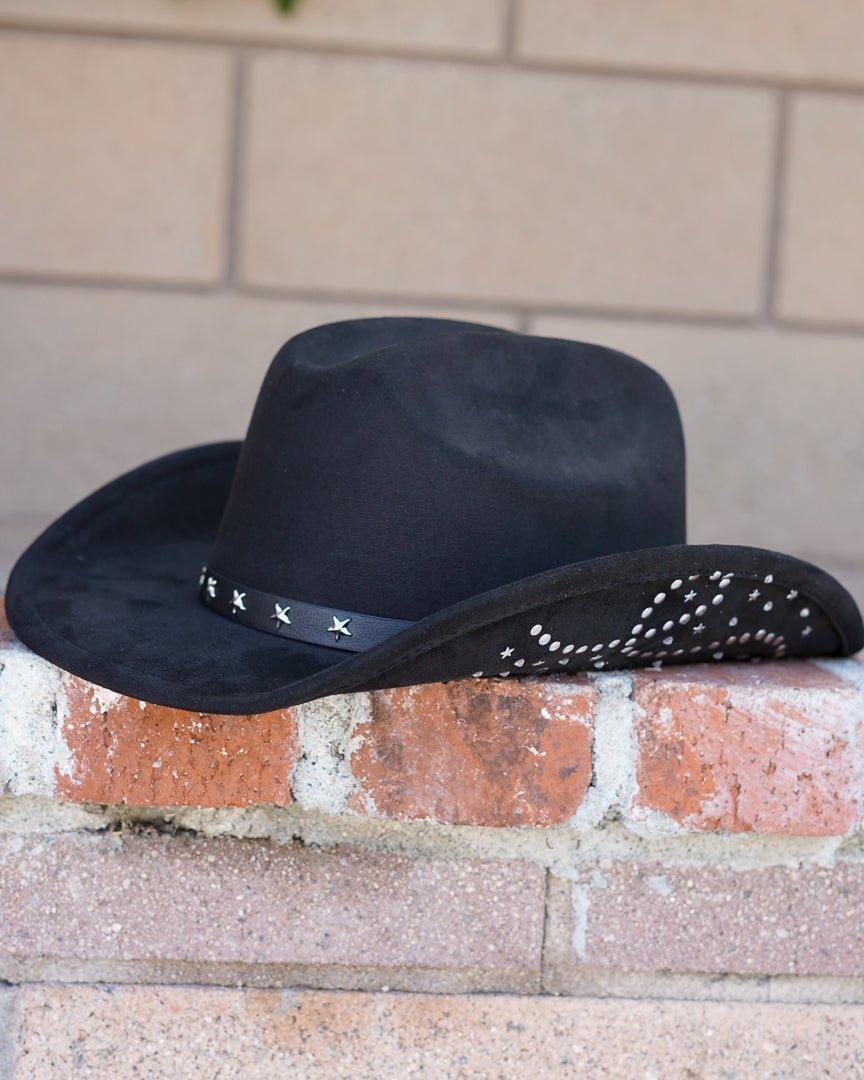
<point>507,652</point>
<point>690,595</point>
<point>211,587</point>
<point>203,575</point>
<point>281,614</point>
<point>339,627</point>
<point>807,631</point>
<point>698,629</point>
<point>754,595</point>
<point>237,601</point>
<point>792,594</point>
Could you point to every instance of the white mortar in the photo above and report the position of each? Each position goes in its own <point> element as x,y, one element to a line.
<point>32,710</point>
<point>322,779</point>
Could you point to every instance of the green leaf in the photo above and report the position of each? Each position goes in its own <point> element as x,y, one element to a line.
<point>286,5</point>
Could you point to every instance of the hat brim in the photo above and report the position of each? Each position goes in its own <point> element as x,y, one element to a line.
<point>109,593</point>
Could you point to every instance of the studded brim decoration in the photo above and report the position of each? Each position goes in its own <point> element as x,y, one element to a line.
<point>111,592</point>
<point>294,620</point>
<point>714,616</point>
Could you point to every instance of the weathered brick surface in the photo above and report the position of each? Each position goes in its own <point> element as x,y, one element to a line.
<point>127,175</point>
<point>497,753</point>
<point>515,174</point>
<point>126,751</point>
<point>117,1033</point>
<point>771,748</point>
<point>211,910</point>
<point>453,25</point>
<point>765,39</point>
<point>628,916</point>
<point>822,263</point>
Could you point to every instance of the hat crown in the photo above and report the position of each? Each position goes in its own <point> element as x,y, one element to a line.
<point>396,466</point>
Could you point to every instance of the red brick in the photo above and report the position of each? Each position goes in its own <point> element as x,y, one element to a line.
<point>221,910</point>
<point>477,753</point>
<point>126,751</point>
<point>627,916</point>
<point>767,748</point>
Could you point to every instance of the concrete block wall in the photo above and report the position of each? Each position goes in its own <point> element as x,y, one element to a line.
<point>187,184</point>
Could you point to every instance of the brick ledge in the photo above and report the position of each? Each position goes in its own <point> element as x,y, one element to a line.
<point>767,748</point>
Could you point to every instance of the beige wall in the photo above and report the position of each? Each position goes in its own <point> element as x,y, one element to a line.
<point>186,183</point>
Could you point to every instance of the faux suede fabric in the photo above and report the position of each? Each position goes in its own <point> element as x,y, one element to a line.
<point>109,591</point>
<point>415,475</point>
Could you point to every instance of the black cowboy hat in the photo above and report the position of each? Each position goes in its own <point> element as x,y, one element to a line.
<point>416,500</point>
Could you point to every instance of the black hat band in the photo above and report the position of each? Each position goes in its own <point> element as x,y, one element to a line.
<point>294,619</point>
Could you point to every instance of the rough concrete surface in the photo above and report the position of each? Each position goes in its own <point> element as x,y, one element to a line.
<point>657,918</point>
<point>217,910</point>
<point>120,1033</point>
<point>8,1031</point>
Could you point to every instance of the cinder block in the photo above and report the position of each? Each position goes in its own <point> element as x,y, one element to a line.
<point>822,252</point>
<point>450,180</point>
<point>788,40</point>
<point>772,422</point>
<point>115,159</point>
<point>709,919</point>
<point>190,1032</point>
<point>476,753</point>
<point>139,908</point>
<point>453,26</point>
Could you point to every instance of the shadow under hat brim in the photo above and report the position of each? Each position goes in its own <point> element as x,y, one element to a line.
<point>109,592</point>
